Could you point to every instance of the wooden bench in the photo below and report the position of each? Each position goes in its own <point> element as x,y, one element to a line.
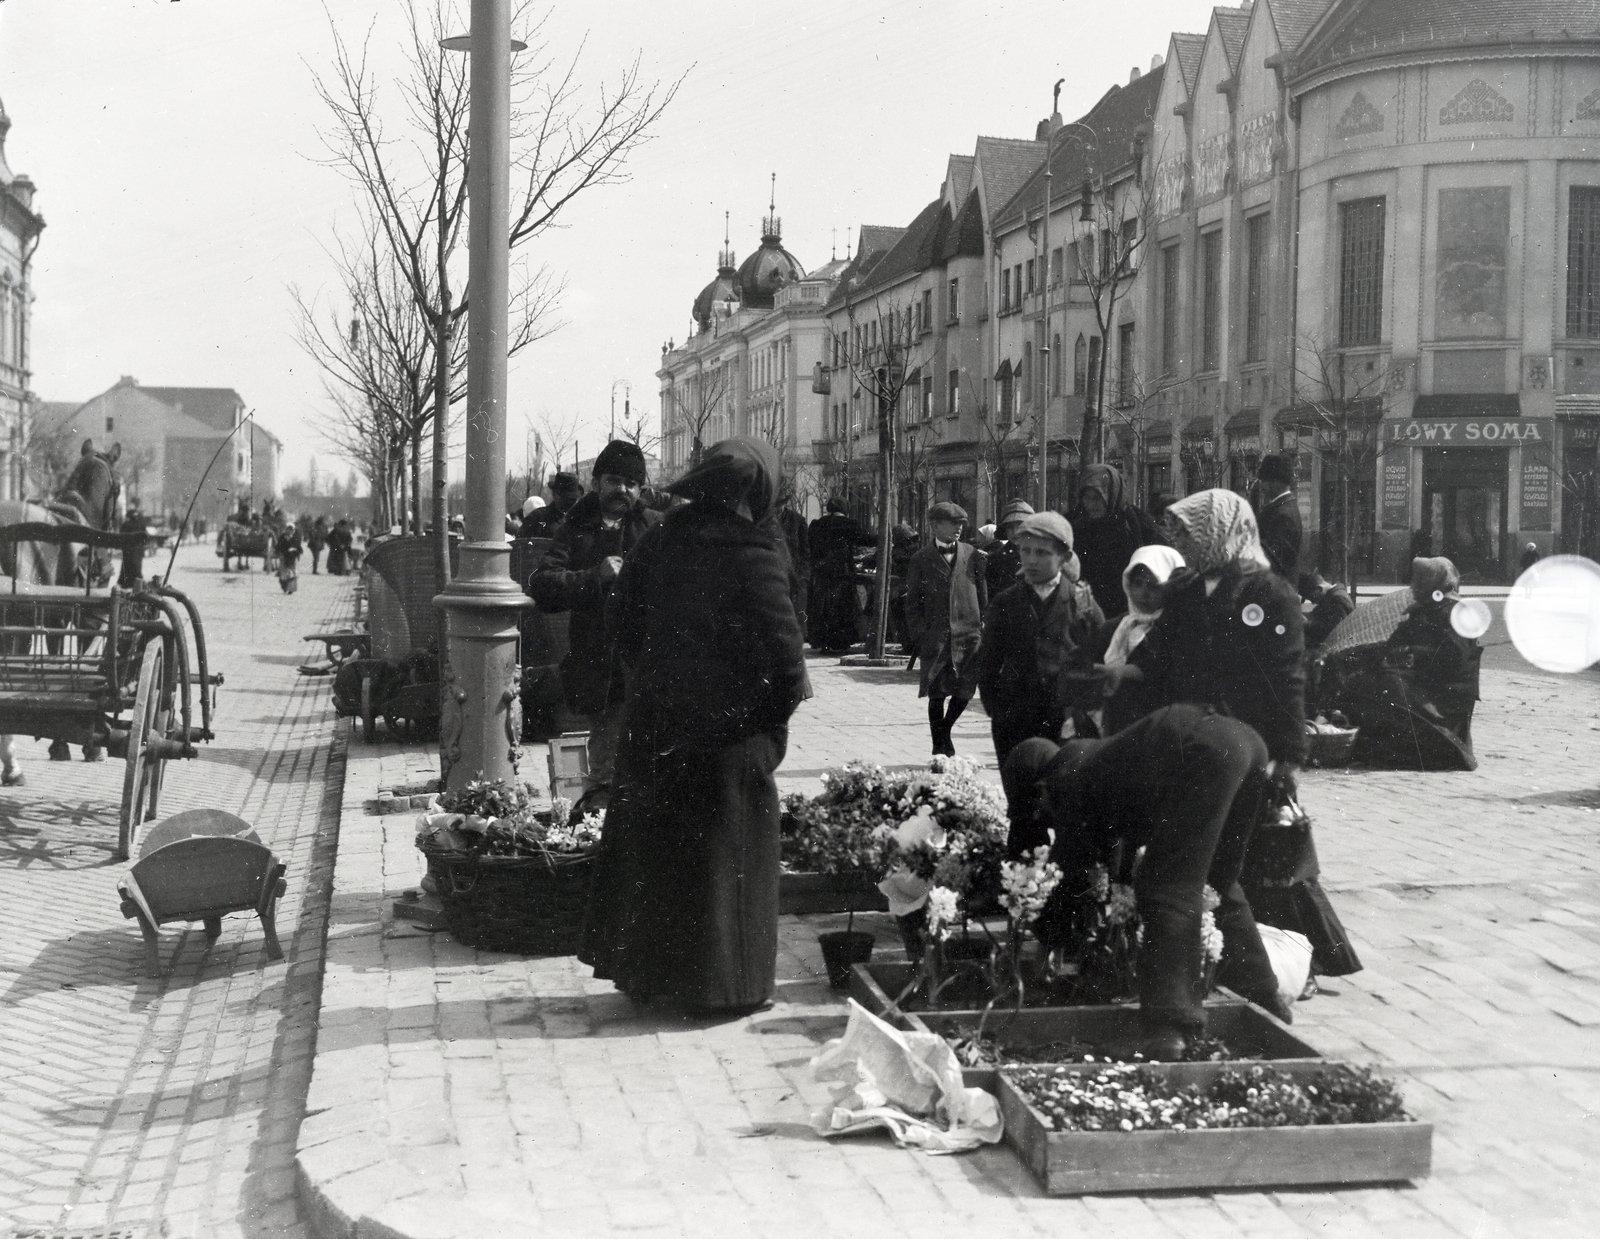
<point>200,866</point>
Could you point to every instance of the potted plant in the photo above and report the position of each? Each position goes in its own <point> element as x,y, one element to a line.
<point>511,876</point>
<point>833,835</point>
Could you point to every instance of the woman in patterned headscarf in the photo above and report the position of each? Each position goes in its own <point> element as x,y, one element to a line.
<point>1231,636</point>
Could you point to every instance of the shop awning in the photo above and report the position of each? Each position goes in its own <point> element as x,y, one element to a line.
<point>1200,428</point>
<point>1158,430</point>
<point>1004,372</point>
<point>1247,421</point>
<point>1455,405</point>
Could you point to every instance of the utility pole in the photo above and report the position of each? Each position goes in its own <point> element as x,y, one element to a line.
<point>480,728</point>
<point>1044,349</point>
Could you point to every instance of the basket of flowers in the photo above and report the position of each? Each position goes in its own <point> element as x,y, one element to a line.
<point>511,877</point>
<point>1330,740</point>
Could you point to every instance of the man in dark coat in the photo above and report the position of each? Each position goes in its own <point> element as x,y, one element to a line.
<point>133,560</point>
<point>1278,515</point>
<point>1004,565</point>
<point>565,491</point>
<point>316,540</point>
<point>946,593</point>
<point>683,902</point>
<point>834,539</point>
<point>1032,632</point>
<point>577,575</point>
<point>340,542</point>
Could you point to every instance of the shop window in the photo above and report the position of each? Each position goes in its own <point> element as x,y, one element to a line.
<point>1211,300</point>
<point>1469,292</point>
<point>1255,323</point>
<point>1361,225</point>
<point>1583,262</point>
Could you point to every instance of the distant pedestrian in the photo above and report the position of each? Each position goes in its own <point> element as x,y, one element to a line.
<point>946,593</point>
<point>132,573</point>
<point>1278,515</point>
<point>339,543</point>
<point>543,521</point>
<point>833,607</point>
<point>288,546</point>
<point>1530,556</point>
<point>317,541</point>
<point>1003,565</point>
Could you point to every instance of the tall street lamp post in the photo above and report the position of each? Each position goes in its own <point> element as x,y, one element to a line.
<point>481,725</point>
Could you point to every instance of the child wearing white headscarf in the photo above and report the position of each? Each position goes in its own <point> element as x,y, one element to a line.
<point>1160,562</point>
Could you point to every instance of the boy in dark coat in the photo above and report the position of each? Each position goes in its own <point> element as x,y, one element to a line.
<point>945,596</point>
<point>576,575</point>
<point>1032,632</point>
<point>1278,515</point>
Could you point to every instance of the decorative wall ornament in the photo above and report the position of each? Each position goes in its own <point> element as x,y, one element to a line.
<point>1172,183</point>
<point>1536,372</point>
<point>1402,374</point>
<point>511,699</point>
<point>1211,167</point>
<point>1359,118</point>
<point>1477,104</point>
<point>1258,145</point>
<point>1589,107</point>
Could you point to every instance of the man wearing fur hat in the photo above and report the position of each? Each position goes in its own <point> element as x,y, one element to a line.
<point>1032,634</point>
<point>1278,515</point>
<point>577,575</point>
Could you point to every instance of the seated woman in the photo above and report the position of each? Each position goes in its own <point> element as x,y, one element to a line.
<point>1185,784</point>
<point>1415,706</point>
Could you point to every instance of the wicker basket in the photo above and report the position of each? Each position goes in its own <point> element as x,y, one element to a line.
<point>527,905</point>
<point>1330,747</point>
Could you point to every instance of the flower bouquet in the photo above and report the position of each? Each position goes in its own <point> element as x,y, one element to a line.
<point>511,877</point>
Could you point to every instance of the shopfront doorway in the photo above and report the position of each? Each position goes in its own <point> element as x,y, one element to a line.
<point>1464,510</point>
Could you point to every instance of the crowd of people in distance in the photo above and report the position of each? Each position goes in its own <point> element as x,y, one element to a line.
<point>1144,673</point>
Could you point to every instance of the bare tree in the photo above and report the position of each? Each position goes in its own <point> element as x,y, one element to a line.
<point>882,350</point>
<point>696,402</point>
<point>414,190</point>
<point>52,448</point>
<point>920,438</point>
<point>996,448</point>
<point>1335,420</point>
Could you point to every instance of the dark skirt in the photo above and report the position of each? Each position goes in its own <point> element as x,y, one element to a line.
<point>684,899</point>
<point>1401,729</point>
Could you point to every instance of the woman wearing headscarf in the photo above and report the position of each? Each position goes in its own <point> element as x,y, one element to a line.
<point>1109,530</point>
<point>1231,636</point>
<point>1415,708</point>
<point>684,899</point>
<point>1144,583</point>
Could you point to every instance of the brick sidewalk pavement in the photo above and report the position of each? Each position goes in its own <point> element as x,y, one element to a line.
<point>169,1106</point>
<point>482,1095</point>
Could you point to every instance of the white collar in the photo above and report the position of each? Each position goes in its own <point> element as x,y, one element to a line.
<point>1048,588</point>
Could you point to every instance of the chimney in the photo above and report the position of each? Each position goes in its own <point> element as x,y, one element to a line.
<point>1133,75</point>
<point>1042,132</point>
<point>1155,62</point>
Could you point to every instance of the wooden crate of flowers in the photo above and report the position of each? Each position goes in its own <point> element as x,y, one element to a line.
<point>512,877</point>
<point>1105,1127</point>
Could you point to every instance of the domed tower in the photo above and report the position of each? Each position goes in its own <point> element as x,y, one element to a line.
<point>720,298</point>
<point>771,267</point>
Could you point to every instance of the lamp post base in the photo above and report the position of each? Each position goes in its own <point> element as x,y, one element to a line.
<point>480,724</point>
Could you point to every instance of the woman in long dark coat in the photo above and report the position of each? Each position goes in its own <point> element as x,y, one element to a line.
<point>1108,530</point>
<point>1415,708</point>
<point>684,901</point>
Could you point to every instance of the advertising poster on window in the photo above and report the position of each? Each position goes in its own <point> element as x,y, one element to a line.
<point>1397,488</point>
<point>1535,486</point>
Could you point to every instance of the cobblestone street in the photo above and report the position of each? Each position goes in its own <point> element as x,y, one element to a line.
<point>465,1094</point>
<point>169,1105</point>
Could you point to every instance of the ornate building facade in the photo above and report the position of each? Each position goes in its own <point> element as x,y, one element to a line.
<point>20,226</point>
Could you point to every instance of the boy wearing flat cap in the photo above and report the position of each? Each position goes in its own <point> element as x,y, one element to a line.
<point>1031,632</point>
<point>945,597</point>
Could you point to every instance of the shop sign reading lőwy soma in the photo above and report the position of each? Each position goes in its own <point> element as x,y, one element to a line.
<point>1470,431</point>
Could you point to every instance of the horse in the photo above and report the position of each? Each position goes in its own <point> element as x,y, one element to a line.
<point>88,498</point>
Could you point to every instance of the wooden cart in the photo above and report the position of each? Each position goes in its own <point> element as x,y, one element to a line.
<point>110,669</point>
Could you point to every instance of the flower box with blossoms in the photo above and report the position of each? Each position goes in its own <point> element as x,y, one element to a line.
<point>1088,1128</point>
<point>1248,1032</point>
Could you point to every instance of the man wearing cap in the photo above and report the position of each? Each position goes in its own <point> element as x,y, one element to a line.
<point>577,575</point>
<point>1278,515</point>
<point>946,593</point>
<point>1004,564</point>
<point>1033,632</point>
<point>565,491</point>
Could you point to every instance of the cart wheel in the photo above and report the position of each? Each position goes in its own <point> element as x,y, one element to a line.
<point>143,771</point>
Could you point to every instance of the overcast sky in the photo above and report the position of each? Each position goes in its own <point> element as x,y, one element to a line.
<point>176,152</point>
